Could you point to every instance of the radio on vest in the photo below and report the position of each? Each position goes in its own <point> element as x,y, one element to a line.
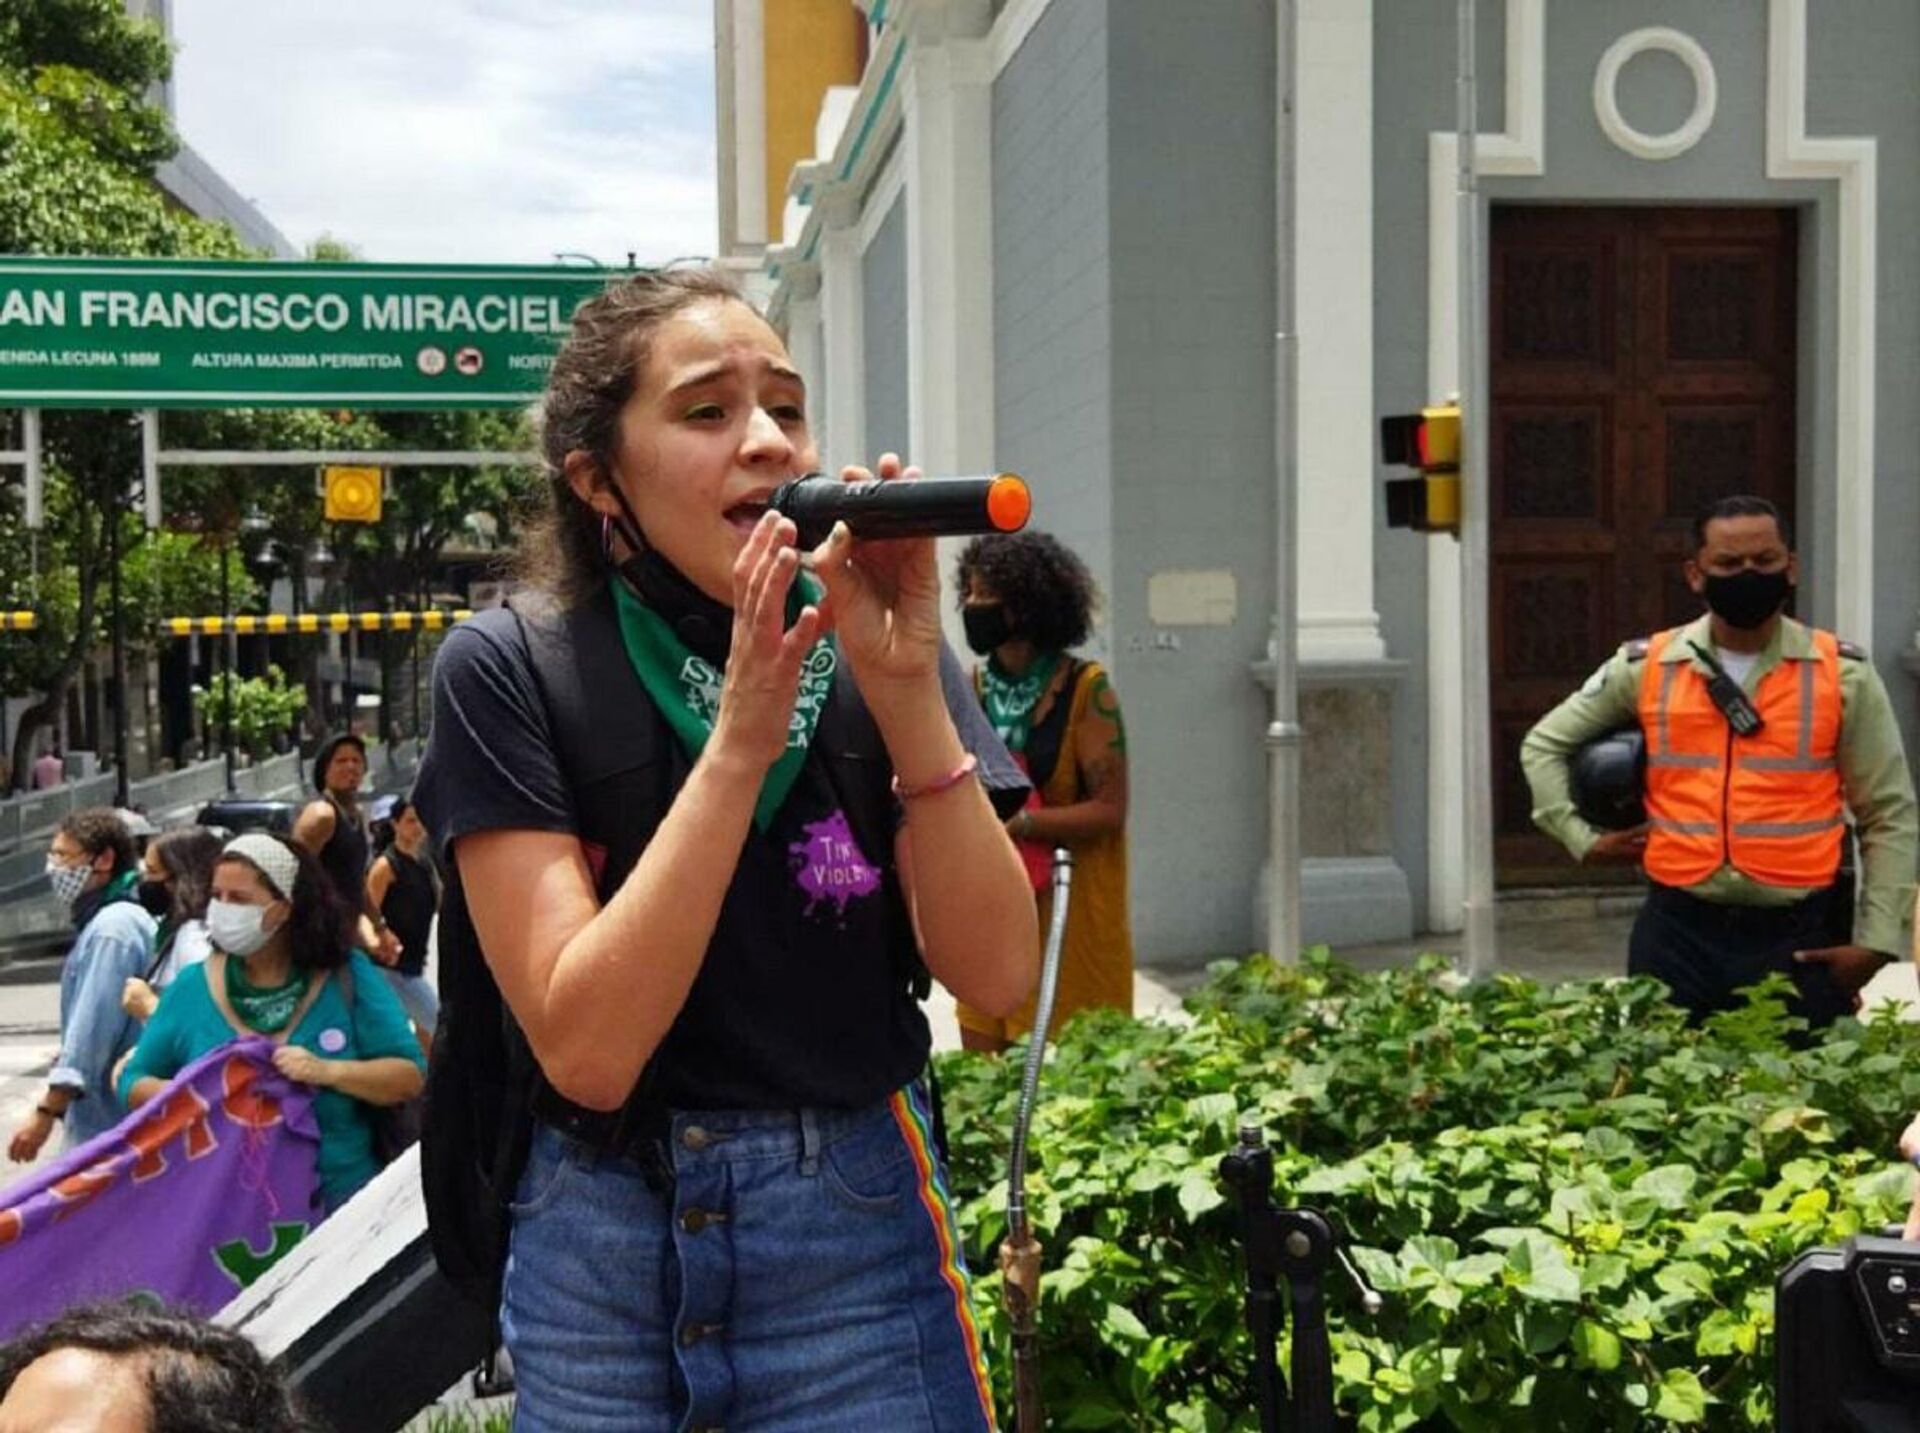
<point>904,507</point>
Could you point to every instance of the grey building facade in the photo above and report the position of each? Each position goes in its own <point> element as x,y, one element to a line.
<point>196,185</point>
<point>1044,239</point>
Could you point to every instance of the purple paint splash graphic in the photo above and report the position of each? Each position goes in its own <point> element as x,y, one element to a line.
<point>830,866</point>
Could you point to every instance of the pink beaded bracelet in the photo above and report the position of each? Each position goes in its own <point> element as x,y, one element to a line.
<point>968,765</point>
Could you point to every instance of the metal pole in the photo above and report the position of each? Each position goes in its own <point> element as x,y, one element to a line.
<point>36,473</point>
<point>150,466</point>
<point>1482,949</point>
<point>121,793</point>
<point>226,662</point>
<point>1020,1252</point>
<point>1283,732</point>
<point>422,605</point>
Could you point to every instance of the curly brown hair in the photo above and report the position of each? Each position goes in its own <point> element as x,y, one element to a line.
<point>592,378</point>
<point>1045,587</point>
<point>99,828</point>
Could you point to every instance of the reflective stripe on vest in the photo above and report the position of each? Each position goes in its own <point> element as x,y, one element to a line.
<point>1778,815</point>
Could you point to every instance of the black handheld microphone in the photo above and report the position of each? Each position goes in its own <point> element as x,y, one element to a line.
<point>904,507</point>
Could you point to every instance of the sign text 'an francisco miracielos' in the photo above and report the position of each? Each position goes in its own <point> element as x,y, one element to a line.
<point>169,333</point>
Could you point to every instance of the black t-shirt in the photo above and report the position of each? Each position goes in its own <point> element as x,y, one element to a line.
<point>409,907</point>
<point>801,998</point>
<point>344,857</point>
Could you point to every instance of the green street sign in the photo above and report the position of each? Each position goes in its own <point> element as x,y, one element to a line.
<point>177,333</point>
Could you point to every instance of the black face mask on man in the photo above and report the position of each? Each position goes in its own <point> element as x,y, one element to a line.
<point>1747,599</point>
<point>986,626</point>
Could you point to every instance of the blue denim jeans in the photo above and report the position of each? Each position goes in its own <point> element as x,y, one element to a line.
<point>800,1274</point>
<point>418,997</point>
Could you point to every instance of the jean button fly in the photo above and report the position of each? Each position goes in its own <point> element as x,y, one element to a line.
<point>695,1138</point>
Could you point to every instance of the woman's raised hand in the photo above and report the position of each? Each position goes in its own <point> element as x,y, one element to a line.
<point>763,663</point>
<point>883,598</point>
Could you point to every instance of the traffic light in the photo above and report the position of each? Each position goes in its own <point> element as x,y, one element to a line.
<point>1429,441</point>
<point>352,494</point>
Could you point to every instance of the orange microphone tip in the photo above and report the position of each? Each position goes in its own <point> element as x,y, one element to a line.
<point>1009,504</point>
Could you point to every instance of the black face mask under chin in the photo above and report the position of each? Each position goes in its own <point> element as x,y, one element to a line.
<point>704,625</point>
<point>1747,599</point>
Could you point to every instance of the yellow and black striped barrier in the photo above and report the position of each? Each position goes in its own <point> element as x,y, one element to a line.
<point>19,621</point>
<point>275,624</point>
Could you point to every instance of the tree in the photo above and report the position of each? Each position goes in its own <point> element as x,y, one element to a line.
<point>78,142</point>
<point>426,510</point>
<point>78,146</point>
<point>177,574</point>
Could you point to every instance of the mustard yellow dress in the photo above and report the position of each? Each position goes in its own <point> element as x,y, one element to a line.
<point>1096,960</point>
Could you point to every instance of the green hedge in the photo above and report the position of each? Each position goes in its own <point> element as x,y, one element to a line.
<point>1575,1206</point>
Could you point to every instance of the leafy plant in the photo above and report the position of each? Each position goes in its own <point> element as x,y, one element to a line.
<point>472,1418</point>
<point>1575,1205</point>
<point>263,708</point>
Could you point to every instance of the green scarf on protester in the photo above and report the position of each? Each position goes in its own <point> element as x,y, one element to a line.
<point>686,687</point>
<point>264,1008</point>
<point>1010,700</point>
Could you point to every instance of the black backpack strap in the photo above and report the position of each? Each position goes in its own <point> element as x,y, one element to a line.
<point>603,724</point>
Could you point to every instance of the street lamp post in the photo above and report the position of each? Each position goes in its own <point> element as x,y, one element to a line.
<point>226,660</point>
<point>122,792</point>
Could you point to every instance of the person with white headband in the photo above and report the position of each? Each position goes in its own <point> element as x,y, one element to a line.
<point>283,965</point>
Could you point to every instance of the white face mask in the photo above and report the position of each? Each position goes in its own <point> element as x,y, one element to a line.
<point>237,929</point>
<point>68,882</point>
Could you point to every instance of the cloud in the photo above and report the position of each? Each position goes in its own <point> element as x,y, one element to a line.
<point>460,131</point>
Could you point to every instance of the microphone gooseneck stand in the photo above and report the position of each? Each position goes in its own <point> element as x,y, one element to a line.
<point>1020,1251</point>
<point>1298,1245</point>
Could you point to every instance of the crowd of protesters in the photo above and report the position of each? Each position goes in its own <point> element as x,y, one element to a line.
<point>319,942</point>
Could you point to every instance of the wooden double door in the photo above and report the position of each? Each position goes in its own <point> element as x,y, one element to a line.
<point>1641,365</point>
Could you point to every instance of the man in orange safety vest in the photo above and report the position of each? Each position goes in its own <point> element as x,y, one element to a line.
<point>1762,736</point>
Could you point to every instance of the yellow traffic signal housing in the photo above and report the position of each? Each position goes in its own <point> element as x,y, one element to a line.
<point>1429,441</point>
<point>352,494</point>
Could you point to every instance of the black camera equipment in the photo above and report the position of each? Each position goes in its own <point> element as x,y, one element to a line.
<point>1298,1245</point>
<point>1847,1325</point>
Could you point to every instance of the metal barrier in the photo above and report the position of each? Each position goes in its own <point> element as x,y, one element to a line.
<point>38,812</point>
<point>31,818</point>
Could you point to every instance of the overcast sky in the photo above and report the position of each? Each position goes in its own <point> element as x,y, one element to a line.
<point>460,131</point>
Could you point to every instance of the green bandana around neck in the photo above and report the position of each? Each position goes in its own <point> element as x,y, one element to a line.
<point>266,1009</point>
<point>1010,700</point>
<point>686,687</point>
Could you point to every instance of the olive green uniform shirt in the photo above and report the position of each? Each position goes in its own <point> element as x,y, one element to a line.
<point>1873,774</point>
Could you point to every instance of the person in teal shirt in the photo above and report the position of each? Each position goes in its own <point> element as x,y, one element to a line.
<point>283,967</point>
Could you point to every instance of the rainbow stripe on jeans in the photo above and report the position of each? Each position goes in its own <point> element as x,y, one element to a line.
<point>911,1114</point>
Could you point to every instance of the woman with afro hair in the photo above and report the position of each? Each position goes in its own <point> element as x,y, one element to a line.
<point>1027,601</point>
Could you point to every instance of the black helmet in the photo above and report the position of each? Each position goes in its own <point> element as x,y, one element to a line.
<point>1610,780</point>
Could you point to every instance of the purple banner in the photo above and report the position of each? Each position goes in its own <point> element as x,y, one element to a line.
<point>188,1199</point>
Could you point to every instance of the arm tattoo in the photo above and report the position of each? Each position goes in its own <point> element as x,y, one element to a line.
<point>1103,775</point>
